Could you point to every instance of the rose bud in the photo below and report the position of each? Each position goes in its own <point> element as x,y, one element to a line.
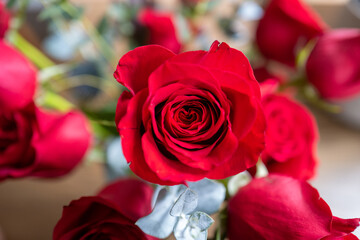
<point>4,20</point>
<point>333,65</point>
<point>291,136</point>
<point>286,27</point>
<point>109,215</point>
<point>160,28</point>
<point>283,208</point>
<point>189,116</point>
<point>34,142</point>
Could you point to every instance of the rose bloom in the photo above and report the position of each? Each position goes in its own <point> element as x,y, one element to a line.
<point>282,208</point>
<point>4,20</point>
<point>333,65</point>
<point>34,142</point>
<point>291,136</point>
<point>189,116</point>
<point>286,27</point>
<point>109,215</point>
<point>160,28</point>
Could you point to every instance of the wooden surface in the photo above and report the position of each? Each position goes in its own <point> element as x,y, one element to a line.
<point>338,179</point>
<point>30,208</point>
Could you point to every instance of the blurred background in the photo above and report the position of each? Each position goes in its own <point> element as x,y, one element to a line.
<point>76,45</point>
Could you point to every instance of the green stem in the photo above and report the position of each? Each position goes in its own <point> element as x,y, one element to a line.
<point>298,82</point>
<point>309,94</point>
<point>30,51</point>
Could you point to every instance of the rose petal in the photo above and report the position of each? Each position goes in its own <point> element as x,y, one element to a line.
<point>146,58</point>
<point>70,222</point>
<point>243,102</point>
<point>248,150</point>
<point>132,197</point>
<point>60,142</point>
<point>280,207</point>
<point>189,74</point>
<point>333,65</point>
<point>17,79</point>
<point>286,26</point>
<point>121,107</point>
<point>4,20</point>
<point>129,127</point>
<point>207,158</point>
<point>220,57</point>
<point>161,28</point>
<point>162,165</point>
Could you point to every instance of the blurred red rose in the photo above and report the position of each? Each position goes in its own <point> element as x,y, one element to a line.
<point>34,142</point>
<point>4,20</point>
<point>17,79</point>
<point>333,65</point>
<point>38,143</point>
<point>290,138</point>
<point>286,27</point>
<point>109,215</point>
<point>161,29</point>
<point>189,116</point>
<point>283,208</point>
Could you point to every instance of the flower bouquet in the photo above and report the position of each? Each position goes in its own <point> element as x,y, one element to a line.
<point>214,144</point>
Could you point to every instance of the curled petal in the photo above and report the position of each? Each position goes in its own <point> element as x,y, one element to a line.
<point>220,57</point>
<point>60,142</point>
<point>280,207</point>
<point>248,150</point>
<point>162,165</point>
<point>146,58</point>
<point>161,29</point>
<point>132,197</point>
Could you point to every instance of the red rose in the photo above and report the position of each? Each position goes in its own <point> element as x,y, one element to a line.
<point>34,142</point>
<point>291,137</point>
<point>37,143</point>
<point>333,65</point>
<point>161,29</point>
<point>283,208</point>
<point>109,215</point>
<point>4,20</point>
<point>286,27</point>
<point>189,116</point>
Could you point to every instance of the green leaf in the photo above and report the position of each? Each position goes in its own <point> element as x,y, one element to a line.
<point>50,12</point>
<point>11,3</point>
<point>103,25</point>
